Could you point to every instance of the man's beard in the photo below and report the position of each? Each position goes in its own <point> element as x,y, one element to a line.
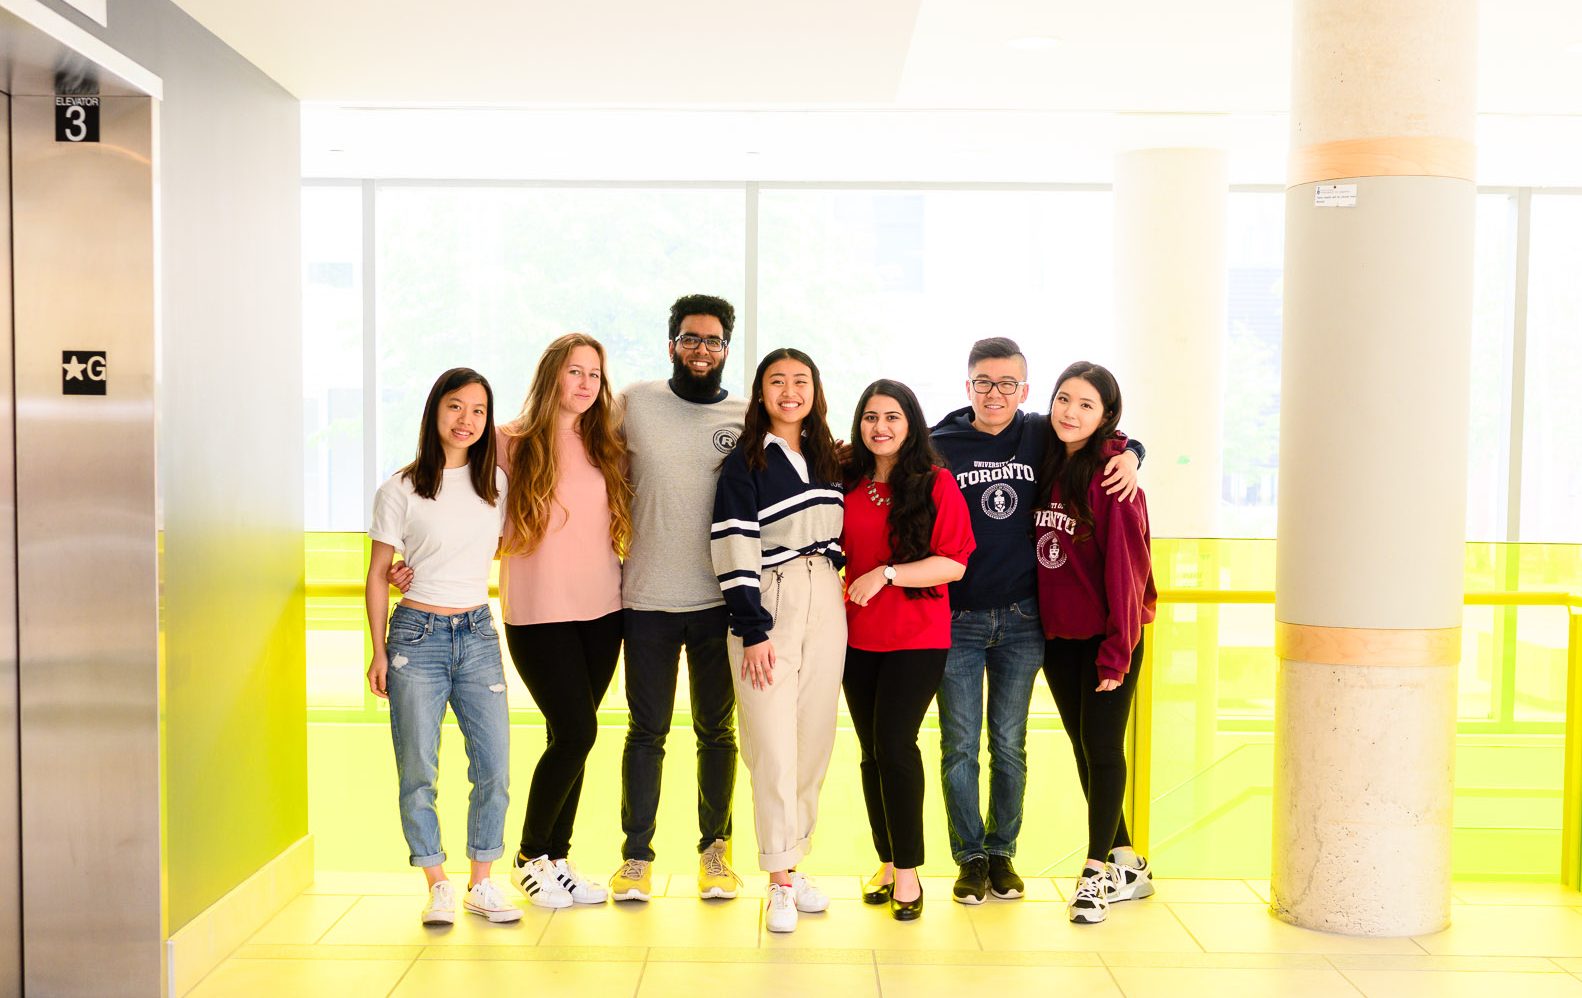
<point>696,387</point>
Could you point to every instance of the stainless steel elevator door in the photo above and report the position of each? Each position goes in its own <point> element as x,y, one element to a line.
<point>10,789</point>
<point>82,225</point>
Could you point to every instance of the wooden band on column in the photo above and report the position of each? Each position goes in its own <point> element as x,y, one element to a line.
<point>1367,645</point>
<point>1395,156</point>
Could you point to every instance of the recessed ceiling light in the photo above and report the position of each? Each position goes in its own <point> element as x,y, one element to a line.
<point>1034,43</point>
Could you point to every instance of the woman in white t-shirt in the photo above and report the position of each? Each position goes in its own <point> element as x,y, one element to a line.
<point>443,513</point>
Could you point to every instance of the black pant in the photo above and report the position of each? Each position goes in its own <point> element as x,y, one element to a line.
<point>888,693</point>
<point>567,666</point>
<point>654,639</point>
<point>1096,724</point>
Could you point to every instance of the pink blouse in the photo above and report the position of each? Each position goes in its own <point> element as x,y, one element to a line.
<point>573,574</point>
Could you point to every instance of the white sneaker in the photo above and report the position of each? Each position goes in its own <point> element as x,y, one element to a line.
<point>1091,902</point>
<point>582,890</point>
<point>441,907</point>
<point>808,897</point>
<point>535,878</point>
<point>781,916</point>
<point>485,899</point>
<point>1128,883</point>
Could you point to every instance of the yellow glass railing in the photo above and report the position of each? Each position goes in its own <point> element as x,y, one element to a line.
<point>1202,771</point>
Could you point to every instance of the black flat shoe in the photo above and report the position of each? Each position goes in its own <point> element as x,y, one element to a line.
<point>907,911</point>
<point>875,892</point>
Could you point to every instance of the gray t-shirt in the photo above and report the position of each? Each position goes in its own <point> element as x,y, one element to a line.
<point>675,448</point>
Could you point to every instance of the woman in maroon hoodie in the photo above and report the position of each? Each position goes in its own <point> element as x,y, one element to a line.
<point>1095,593</point>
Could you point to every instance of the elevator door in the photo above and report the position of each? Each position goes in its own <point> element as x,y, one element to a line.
<point>10,788</point>
<point>86,585</point>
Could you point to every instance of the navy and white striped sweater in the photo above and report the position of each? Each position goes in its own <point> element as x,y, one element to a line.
<point>763,519</point>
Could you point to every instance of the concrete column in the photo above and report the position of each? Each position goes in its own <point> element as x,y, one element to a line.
<point>1170,209</point>
<point>1373,459</point>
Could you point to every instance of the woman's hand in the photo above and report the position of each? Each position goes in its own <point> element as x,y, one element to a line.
<point>1120,475</point>
<point>400,575</point>
<point>1105,685</point>
<point>378,667</point>
<point>866,587</point>
<point>758,665</point>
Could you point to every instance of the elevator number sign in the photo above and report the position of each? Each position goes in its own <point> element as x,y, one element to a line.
<point>76,119</point>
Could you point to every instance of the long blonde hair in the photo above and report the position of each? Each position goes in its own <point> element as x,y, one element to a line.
<point>534,471</point>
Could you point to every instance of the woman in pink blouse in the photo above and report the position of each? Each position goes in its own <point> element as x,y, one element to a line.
<point>567,523</point>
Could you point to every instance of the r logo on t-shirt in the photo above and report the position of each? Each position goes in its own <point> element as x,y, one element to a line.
<point>725,441</point>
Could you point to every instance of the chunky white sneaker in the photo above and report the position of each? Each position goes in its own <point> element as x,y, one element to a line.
<point>441,906</point>
<point>1091,902</point>
<point>1128,883</point>
<point>535,878</point>
<point>485,899</point>
<point>633,881</point>
<point>781,915</point>
<point>582,890</point>
<point>808,897</point>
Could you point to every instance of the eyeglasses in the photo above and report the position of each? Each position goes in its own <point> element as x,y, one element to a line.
<point>983,386</point>
<point>690,341</point>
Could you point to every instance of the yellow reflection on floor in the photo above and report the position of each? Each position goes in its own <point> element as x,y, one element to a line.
<point>355,934</point>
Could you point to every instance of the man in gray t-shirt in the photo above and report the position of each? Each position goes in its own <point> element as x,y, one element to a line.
<point>677,432</point>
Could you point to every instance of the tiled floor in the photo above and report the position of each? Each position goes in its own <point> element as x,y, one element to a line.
<point>354,935</point>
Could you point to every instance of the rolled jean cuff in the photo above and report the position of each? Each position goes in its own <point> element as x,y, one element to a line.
<point>769,862</point>
<point>434,859</point>
<point>485,855</point>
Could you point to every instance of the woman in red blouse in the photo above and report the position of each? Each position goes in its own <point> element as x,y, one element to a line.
<point>907,535</point>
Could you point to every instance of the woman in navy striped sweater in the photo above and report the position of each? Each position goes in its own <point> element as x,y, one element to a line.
<point>776,550</point>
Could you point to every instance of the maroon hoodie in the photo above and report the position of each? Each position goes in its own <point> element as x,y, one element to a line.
<point>1097,578</point>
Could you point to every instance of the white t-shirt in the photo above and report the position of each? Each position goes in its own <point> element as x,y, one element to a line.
<point>448,540</point>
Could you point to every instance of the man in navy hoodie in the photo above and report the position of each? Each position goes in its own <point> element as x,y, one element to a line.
<point>994,449</point>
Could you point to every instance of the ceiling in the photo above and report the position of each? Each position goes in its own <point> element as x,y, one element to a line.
<point>1216,56</point>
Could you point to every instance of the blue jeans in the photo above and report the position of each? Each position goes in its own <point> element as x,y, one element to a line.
<point>1007,646</point>
<point>435,660</point>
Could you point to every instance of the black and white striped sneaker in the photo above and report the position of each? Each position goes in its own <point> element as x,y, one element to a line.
<point>1128,883</point>
<point>535,878</point>
<point>1091,901</point>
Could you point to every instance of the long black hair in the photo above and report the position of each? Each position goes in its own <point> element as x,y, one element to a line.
<point>912,510</point>
<point>427,470</point>
<point>818,444</point>
<point>1074,473</point>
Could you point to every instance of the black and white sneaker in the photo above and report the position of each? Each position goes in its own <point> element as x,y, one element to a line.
<point>973,884</point>
<point>1003,881</point>
<point>1091,902</point>
<point>535,878</point>
<point>1128,883</point>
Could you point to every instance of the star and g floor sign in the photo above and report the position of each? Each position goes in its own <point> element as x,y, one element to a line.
<point>84,372</point>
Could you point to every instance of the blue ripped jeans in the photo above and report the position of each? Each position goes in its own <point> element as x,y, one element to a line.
<point>437,660</point>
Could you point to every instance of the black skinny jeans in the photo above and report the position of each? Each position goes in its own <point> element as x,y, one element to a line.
<point>567,667</point>
<point>888,693</point>
<point>654,639</point>
<point>1096,724</point>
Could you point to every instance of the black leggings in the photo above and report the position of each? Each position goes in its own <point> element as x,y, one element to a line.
<point>567,666</point>
<point>888,693</point>
<point>1096,724</point>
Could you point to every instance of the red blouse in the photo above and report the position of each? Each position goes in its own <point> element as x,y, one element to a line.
<point>891,621</point>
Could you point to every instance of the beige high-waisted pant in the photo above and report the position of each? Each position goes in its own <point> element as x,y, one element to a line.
<point>788,728</point>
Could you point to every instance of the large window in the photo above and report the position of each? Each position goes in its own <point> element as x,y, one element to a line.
<point>1551,486</point>
<point>898,284</point>
<point>873,282</point>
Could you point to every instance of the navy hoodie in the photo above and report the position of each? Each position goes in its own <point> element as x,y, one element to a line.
<point>998,476</point>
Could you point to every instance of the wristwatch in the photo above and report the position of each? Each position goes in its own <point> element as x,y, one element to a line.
<point>889,575</point>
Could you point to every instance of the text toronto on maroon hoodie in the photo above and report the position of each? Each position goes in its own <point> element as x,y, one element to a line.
<point>1097,578</point>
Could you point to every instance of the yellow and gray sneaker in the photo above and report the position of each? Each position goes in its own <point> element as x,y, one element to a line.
<point>716,879</point>
<point>633,881</point>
